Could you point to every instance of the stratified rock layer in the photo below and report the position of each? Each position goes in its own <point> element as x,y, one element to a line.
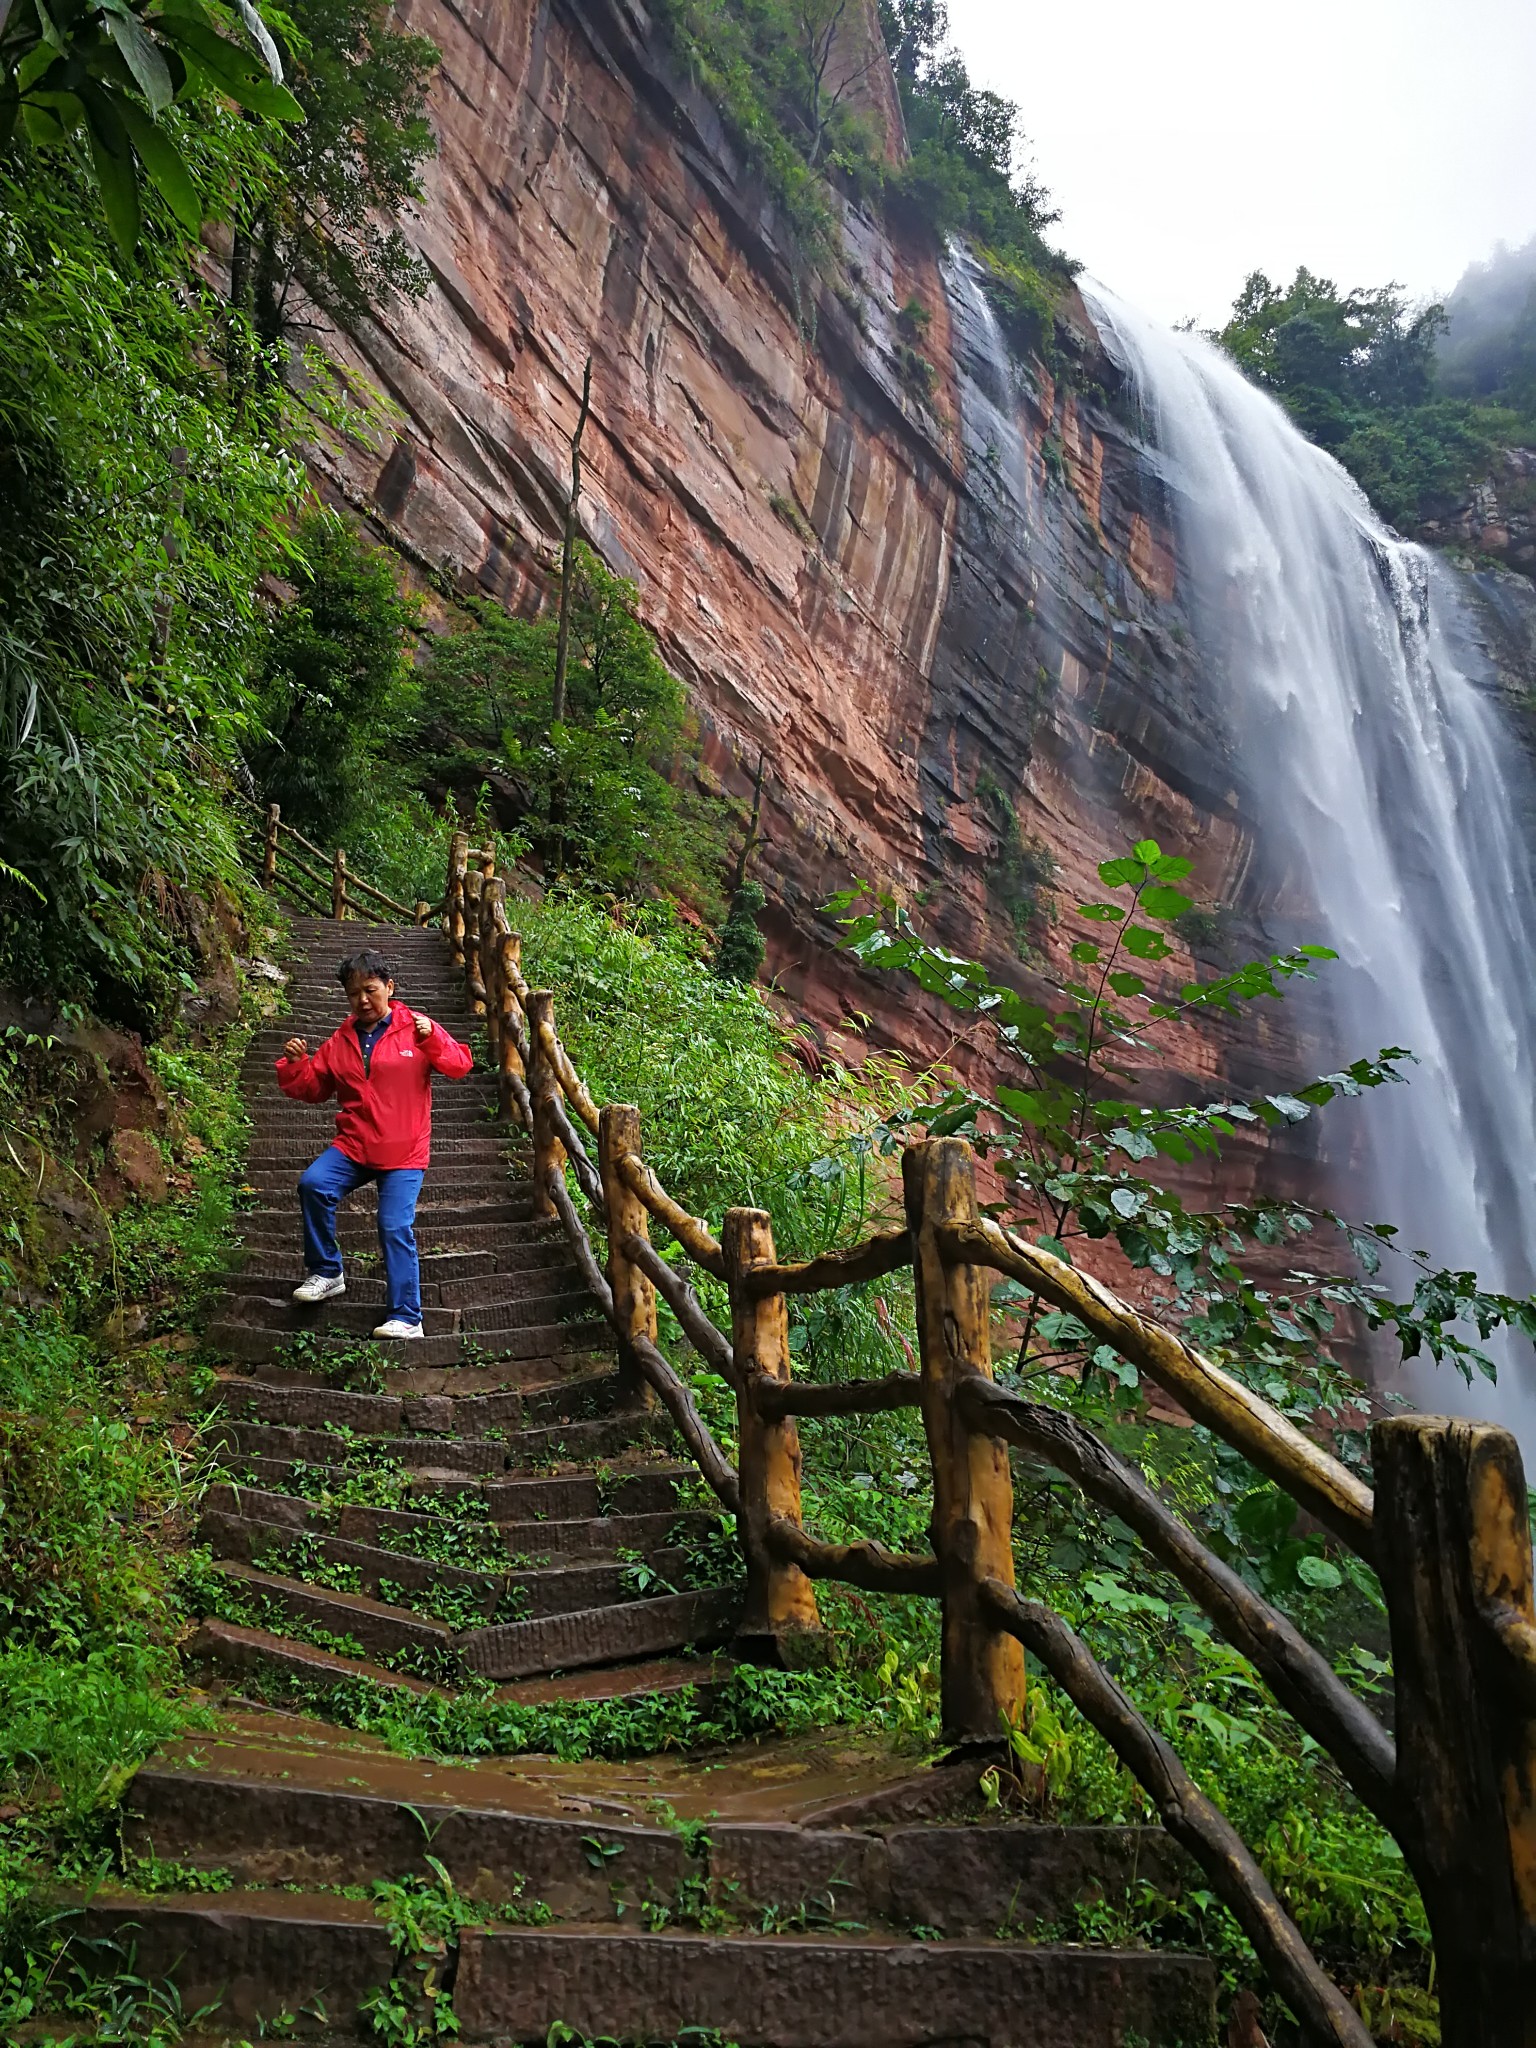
<point>951,621</point>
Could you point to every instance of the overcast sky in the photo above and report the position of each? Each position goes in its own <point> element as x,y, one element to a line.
<point>1188,142</point>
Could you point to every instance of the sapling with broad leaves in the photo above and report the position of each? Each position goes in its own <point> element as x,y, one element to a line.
<point>1078,1159</point>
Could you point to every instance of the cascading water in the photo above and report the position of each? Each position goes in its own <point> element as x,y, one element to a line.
<point>1381,786</point>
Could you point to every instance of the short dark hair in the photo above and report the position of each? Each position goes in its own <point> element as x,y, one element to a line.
<point>365,966</point>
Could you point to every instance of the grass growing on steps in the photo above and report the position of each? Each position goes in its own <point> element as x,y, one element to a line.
<point>102,1465</point>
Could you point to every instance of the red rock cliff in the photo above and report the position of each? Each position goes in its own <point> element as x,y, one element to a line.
<point>929,611</point>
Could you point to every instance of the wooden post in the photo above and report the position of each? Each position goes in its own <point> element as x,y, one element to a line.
<point>474,981</point>
<point>488,960</point>
<point>544,1091</point>
<point>421,914</point>
<point>458,854</point>
<point>780,1602</point>
<point>982,1681</point>
<point>338,884</point>
<point>269,850</point>
<point>509,1059</point>
<point>1454,1541</point>
<point>634,1296</point>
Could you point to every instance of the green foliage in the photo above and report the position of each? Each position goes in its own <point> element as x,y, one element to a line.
<point>965,142</point>
<point>136,519</point>
<point>739,953</point>
<point>603,793</point>
<point>1076,1156</point>
<point>788,75</point>
<point>112,73</point>
<point>330,682</point>
<point>729,1116</point>
<point>1356,370</point>
<point>323,239</point>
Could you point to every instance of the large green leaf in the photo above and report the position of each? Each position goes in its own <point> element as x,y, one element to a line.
<point>112,161</point>
<point>164,166</point>
<point>230,68</point>
<point>141,54</point>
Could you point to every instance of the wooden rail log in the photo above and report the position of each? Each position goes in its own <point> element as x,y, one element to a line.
<point>1188,1816</point>
<point>838,1397</point>
<point>544,1103</point>
<point>575,1088</point>
<point>588,1178</point>
<point>780,1601</point>
<point>474,979</point>
<point>1300,1677</point>
<point>1456,1568</point>
<point>625,1217</point>
<point>711,1343</point>
<point>882,1253</point>
<point>691,1234</point>
<point>982,1678</point>
<point>488,955</point>
<point>1323,1486</point>
<point>511,1045</point>
<point>870,1566</point>
<point>675,1397</point>
<point>378,896</point>
<point>458,847</point>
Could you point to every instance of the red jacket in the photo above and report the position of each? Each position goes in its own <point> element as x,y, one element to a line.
<point>383,1117</point>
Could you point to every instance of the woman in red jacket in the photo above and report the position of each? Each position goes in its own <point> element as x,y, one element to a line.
<point>379,1066</point>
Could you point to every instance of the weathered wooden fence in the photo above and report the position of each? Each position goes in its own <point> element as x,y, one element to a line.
<point>1446,1528</point>
<point>331,889</point>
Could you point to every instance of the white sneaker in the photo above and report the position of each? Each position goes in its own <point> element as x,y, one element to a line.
<point>397,1326</point>
<point>320,1287</point>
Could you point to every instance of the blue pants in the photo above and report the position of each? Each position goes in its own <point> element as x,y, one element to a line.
<point>321,1188</point>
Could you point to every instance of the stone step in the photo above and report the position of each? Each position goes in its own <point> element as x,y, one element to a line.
<point>277,1207</point>
<point>530,1306</point>
<point>575,1443</point>
<point>238,1340</point>
<point>472,1147</point>
<point>282,1604</point>
<point>389,1529</point>
<point>469,1105</point>
<point>374,1374</point>
<point>262,1954</point>
<point>338,1317</point>
<point>253,1658</point>
<point>787,1991</point>
<point>406,1581</point>
<point>655,1489</point>
<point>289,1808</point>
<point>490,1179</point>
<point>443,1232</point>
<point>541,1270</point>
<point>385,1414</point>
<point>602,1635</point>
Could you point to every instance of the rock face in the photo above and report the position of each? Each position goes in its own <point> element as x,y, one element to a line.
<point>950,619</point>
<point>1497,521</point>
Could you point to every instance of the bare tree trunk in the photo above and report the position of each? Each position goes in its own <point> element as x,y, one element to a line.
<point>568,551</point>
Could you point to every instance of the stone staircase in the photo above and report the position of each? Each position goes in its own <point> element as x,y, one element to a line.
<point>474,1503</point>
<point>472,1513</point>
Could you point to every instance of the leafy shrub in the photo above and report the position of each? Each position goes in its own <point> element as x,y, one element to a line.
<point>137,514</point>
<point>603,794</point>
<point>331,682</point>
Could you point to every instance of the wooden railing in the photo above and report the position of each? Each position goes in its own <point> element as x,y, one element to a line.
<point>1446,1528</point>
<point>332,886</point>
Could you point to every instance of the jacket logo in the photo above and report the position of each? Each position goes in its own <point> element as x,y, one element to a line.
<point>407,1052</point>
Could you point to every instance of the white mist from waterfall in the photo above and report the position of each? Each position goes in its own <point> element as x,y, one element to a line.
<point>1374,773</point>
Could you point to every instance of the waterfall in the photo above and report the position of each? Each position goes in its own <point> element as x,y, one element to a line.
<point>1381,787</point>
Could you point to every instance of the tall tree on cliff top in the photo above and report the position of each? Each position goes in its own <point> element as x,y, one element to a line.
<point>325,242</point>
